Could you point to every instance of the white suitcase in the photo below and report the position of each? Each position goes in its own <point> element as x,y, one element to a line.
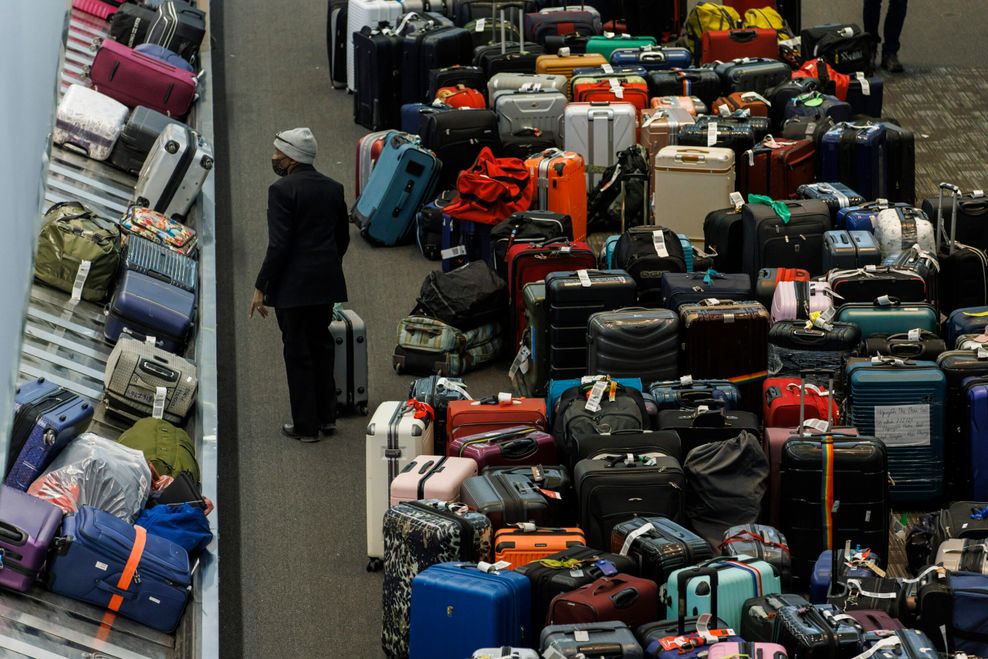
<point>368,13</point>
<point>432,477</point>
<point>394,438</point>
<point>691,181</point>
<point>509,83</point>
<point>523,111</point>
<point>964,555</point>
<point>174,172</point>
<point>89,122</point>
<point>598,131</point>
<point>898,229</point>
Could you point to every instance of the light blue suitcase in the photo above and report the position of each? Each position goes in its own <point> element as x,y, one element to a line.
<point>902,403</point>
<point>720,586</point>
<point>399,184</point>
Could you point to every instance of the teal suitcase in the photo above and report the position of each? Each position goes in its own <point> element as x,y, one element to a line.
<point>893,318</point>
<point>605,45</point>
<point>720,586</point>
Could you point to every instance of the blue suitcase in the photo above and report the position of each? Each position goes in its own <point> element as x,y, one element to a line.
<point>814,104</point>
<point>687,393</point>
<point>165,55</point>
<point>401,181</point>
<point>144,256</point>
<point>679,288</point>
<point>464,241</point>
<point>720,586</point>
<point>855,157</point>
<point>46,418</point>
<point>977,436</point>
<point>902,403</point>
<point>653,58</point>
<point>90,553</point>
<point>413,116</point>
<point>144,306</point>
<point>874,318</point>
<point>970,320</point>
<point>823,572</point>
<point>869,103</point>
<point>862,218</point>
<point>457,608</point>
<point>558,387</point>
<point>836,195</point>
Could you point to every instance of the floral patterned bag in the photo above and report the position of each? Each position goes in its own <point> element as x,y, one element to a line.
<point>157,228</point>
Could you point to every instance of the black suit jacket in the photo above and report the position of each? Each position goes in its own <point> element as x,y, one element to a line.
<point>308,234</point>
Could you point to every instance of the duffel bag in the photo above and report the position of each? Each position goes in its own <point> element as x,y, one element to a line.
<point>78,250</point>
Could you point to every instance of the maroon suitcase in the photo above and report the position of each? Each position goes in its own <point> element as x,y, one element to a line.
<point>136,79</point>
<point>520,445</point>
<point>631,600</point>
<point>873,621</point>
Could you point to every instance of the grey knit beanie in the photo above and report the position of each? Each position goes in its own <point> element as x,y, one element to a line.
<point>299,144</point>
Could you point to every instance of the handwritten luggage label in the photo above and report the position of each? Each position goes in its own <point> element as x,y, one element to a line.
<point>903,425</point>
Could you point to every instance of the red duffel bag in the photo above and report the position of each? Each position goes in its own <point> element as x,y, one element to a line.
<point>492,189</point>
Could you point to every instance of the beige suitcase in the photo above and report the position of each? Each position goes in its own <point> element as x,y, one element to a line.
<point>659,129</point>
<point>691,181</point>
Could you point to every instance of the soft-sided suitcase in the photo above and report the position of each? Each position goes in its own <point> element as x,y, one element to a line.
<point>768,279</point>
<point>659,546</point>
<point>724,340</point>
<point>574,641</point>
<point>726,45</point>
<point>471,417</point>
<point>634,343</point>
<point>817,105</point>
<point>516,495</point>
<point>720,586</point>
<point>631,600</point>
<point>691,182</point>
<point>46,419</point>
<point>706,423</point>
<point>510,57</point>
<point>30,525</point>
<point>418,534</point>
<point>165,55</point>
<point>350,364</point>
<point>394,438</point>
<point>528,543</point>
<point>88,121</point>
<point>432,477</point>
<point>172,176</point>
<point>597,132</point>
<point>753,103</point>
<point>179,27</point>
<point>762,542</point>
<point>518,445</point>
<point>376,96</point>
<point>694,287</point>
<point>467,605</point>
<point>429,226</point>
<point>846,47</point>
<point>773,242</point>
<point>890,287</point>
<point>776,168</point>
<point>144,306</point>
<point>799,300</point>
<point>722,236</point>
<point>103,560</point>
<point>137,137</point>
<point>471,77</point>
<point>404,177</point>
<point>130,23</point>
<point>875,620</point>
<point>137,79</point>
<point>963,555</point>
<point>432,48</point>
<point>505,652</point>
<point>143,380</point>
<point>560,186</point>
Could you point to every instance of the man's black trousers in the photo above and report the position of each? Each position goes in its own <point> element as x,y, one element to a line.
<point>309,357</point>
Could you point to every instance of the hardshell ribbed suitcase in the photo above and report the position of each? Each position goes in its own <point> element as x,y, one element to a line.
<point>720,586</point>
<point>136,79</point>
<point>88,121</point>
<point>174,172</point>
<point>350,364</point>
<point>752,74</point>
<point>529,542</point>
<point>30,525</point>
<point>143,306</point>
<point>659,546</point>
<point>634,343</point>
<point>137,137</point>
<point>139,378</point>
<point>432,477</point>
<point>560,186</point>
<point>597,132</point>
<point>810,632</point>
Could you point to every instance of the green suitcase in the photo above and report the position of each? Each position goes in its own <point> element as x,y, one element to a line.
<point>894,318</point>
<point>169,449</point>
<point>605,45</point>
<point>535,379</point>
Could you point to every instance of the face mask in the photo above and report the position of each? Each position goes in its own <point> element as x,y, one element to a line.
<point>278,169</point>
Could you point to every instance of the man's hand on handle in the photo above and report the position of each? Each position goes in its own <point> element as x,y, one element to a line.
<point>257,304</point>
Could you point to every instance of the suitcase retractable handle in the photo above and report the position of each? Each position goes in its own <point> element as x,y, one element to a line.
<point>941,232</point>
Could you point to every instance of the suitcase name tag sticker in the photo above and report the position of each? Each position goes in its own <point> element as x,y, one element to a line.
<point>712,133</point>
<point>659,241</point>
<point>521,362</point>
<point>81,275</point>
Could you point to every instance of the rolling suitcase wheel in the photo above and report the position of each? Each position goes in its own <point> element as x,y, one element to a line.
<point>374,564</point>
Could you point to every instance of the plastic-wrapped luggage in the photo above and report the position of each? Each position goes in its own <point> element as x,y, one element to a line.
<point>88,121</point>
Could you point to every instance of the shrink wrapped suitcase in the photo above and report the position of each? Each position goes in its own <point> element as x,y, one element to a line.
<point>88,121</point>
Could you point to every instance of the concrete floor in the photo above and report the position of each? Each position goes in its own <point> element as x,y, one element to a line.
<point>293,582</point>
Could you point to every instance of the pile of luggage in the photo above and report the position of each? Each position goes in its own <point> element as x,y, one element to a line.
<point>739,342</point>
<point>120,523</point>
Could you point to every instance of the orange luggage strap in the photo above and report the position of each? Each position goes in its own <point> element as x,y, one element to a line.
<point>130,569</point>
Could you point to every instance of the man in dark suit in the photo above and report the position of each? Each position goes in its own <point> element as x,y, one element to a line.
<point>302,277</point>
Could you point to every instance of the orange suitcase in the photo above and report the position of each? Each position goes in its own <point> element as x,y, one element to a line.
<point>564,63</point>
<point>629,89</point>
<point>519,546</point>
<point>754,102</point>
<point>561,186</point>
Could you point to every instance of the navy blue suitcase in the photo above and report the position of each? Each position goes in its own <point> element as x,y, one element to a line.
<point>862,218</point>
<point>152,259</point>
<point>970,320</point>
<point>457,608</point>
<point>876,159</point>
<point>87,564</point>
<point>434,48</point>
<point>866,95</point>
<point>692,287</point>
<point>165,55</point>
<point>144,306</point>
<point>835,194</point>
<point>464,241</point>
<point>46,418</point>
<point>815,104</point>
<point>413,116</point>
<point>653,58</point>
<point>687,393</point>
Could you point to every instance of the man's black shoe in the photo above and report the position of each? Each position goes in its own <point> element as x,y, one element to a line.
<point>328,428</point>
<point>891,64</point>
<point>288,430</point>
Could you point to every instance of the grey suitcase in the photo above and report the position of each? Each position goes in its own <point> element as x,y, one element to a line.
<point>142,380</point>
<point>591,639</point>
<point>162,263</point>
<point>509,83</point>
<point>524,113</point>
<point>847,250</point>
<point>350,365</point>
<point>174,171</point>
<point>964,555</point>
<point>137,138</point>
<point>598,132</point>
<point>634,343</point>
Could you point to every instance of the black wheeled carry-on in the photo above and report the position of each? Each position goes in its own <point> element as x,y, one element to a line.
<point>376,58</point>
<point>962,281</point>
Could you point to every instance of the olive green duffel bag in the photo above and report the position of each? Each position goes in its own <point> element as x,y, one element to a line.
<point>167,448</point>
<point>72,237</point>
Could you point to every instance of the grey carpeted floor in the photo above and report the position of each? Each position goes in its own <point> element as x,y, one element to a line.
<point>293,582</point>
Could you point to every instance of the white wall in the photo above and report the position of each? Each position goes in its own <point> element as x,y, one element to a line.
<point>30,34</point>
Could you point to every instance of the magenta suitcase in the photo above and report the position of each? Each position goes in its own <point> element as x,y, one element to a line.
<point>27,526</point>
<point>725,650</point>
<point>432,477</point>
<point>873,621</point>
<point>96,8</point>
<point>137,79</point>
<point>518,445</point>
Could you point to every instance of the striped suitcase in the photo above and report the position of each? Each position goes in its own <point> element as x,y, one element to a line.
<point>142,255</point>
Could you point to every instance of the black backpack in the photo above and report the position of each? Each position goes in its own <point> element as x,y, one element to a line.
<point>621,198</point>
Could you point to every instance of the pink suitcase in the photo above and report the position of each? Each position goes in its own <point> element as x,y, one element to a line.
<point>518,445</point>
<point>796,300</point>
<point>95,8</point>
<point>432,477</point>
<point>752,650</point>
<point>136,79</point>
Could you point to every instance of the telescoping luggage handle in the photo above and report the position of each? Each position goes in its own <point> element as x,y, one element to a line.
<point>941,232</point>
<point>815,423</point>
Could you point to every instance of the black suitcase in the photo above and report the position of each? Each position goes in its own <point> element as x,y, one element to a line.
<point>436,391</point>
<point>769,242</point>
<point>702,82</point>
<point>900,149</point>
<point>179,27</point>
<point>507,58</point>
<point>587,446</point>
<point>809,632</point>
<point>866,286</point>
<point>693,287</point>
<point>376,57</point>
<point>137,137</point>
<point>697,427</point>
<point>526,143</point>
<point>457,138</point>
<point>651,635</point>
<point>792,348</point>
<point>565,572</point>
<point>923,345</point>
<point>646,253</point>
<point>458,74</point>
<point>570,304</point>
<point>613,489</point>
<point>661,548</point>
<point>336,42</point>
<point>859,467</point>
<point>129,25</point>
<point>724,340</point>
<point>429,226</point>
<point>523,227</point>
<point>511,496</point>
<point>962,280</point>
<point>511,11</point>
<point>780,95</point>
<point>971,209</point>
<point>847,48</point>
<point>739,134</point>
<point>723,236</point>
<point>754,74</point>
<point>759,613</point>
<point>634,343</point>
<point>427,49</point>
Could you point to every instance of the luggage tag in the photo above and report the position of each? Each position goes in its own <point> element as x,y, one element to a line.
<point>686,381</point>
<point>737,200</point>
<point>606,567</point>
<point>160,395</point>
<point>492,568</point>
<point>584,278</point>
<point>595,396</point>
<point>616,88</point>
<point>481,24</point>
<point>712,133</point>
<point>865,85</point>
<point>453,252</point>
<point>520,363</point>
<point>608,69</point>
<point>634,535</point>
<point>81,275</point>
<point>553,653</point>
<point>659,243</point>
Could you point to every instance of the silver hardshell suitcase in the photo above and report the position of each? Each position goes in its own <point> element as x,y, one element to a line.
<point>598,131</point>
<point>174,171</point>
<point>964,555</point>
<point>509,83</point>
<point>521,112</point>
<point>350,366</point>
<point>89,122</point>
<point>143,380</point>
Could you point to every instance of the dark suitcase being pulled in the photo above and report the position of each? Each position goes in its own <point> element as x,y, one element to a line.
<point>137,137</point>
<point>641,343</point>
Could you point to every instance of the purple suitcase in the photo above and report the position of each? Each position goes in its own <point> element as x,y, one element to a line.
<point>137,79</point>
<point>519,445</point>
<point>27,526</point>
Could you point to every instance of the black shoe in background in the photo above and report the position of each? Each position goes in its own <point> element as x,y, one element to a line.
<point>288,430</point>
<point>891,64</point>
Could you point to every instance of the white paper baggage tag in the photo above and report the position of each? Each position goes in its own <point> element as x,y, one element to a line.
<point>607,68</point>
<point>584,278</point>
<point>820,425</point>
<point>481,24</point>
<point>737,200</point>
<point>712,133</point>
<point>553,653</point>
<point>504,398</point>
<point>977,194</point>
<point>865,85</point>
<point>81,275</point>
<point>587,379</point>
<point>520,363</point>
<point>751,157</point>
<point>659,243</point>
<point>723,110</point>
<point>616,88</point>
<point>686,381</point>
<point>914,334</point>
<point>810,127</point>
<point>151,341</point>
<point>158,411</point>
<point>634,535</point>
<point>596,395</point>
<point>581,636</point>
<point>453,252</point>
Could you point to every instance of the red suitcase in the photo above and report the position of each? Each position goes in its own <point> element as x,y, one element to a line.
<point>742,6</point>
<point>471,417</point>
<point>727,45</point>
<point>95,8</point>
<point>519,445</point>
<point>135,79</point>
<point>776,168</point>
<point>528,262</point>
<point>781,401</point>
<point>631,600</point>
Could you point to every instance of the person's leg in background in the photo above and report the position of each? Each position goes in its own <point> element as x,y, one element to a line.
<point>894,20</point>
<point>872,13</point>
<point>323,351</point>
<point>301,373</point>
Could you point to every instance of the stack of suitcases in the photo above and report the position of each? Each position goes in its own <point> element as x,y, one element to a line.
<point>741,346</point>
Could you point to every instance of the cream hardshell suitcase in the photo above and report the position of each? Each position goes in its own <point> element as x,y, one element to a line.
<point>394,438</point>
<point>432,477</point>
<point>690,182</point>
<point>598,131</point>
<point>89,122</point>
<point>173,174</point>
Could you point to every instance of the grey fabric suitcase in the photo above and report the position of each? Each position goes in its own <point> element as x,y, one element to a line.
<point>350,366</point>
<point>158,261</point>
<point>523,113</point>
<point>137,138</point>
<point>634,343</point>
<point>143,380</point>
<point>174,172</point>
<point>591,639</point>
